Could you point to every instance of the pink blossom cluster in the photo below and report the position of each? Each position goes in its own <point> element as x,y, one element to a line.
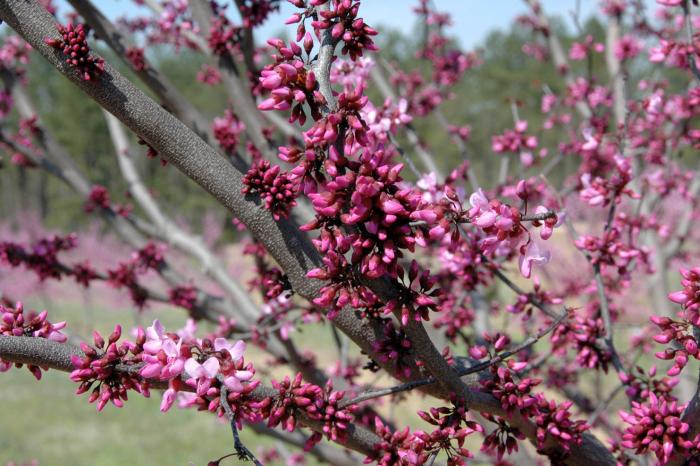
<point>415,448</point>
<point>15,322</point>
<point>209,75</point>
<point>41,257</point>
<point>227,130</point>
<point>77,51</point>
<point>319,404</point>
<point>514,140</point>
<point>224,37</point>
<point>276,188</point>
<point>136,57</point>
<point>255,12</point>
<point>681,333</point>
<point>656,426</point>
<point>600,192</point>
<point>290,83</point>
<point>99,199</point>
<point>340,17</point>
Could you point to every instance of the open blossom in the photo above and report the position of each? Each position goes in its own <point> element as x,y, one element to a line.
<point>502,226</point>
<point>201,375</point>
<point>532,256</point>
<point>236,350</point>
<point>162,354</point>
<point>627,47</point>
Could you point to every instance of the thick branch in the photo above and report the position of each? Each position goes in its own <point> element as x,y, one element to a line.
<point>150,76</point>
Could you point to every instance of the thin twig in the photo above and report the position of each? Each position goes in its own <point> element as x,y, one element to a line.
<point>241,450</point>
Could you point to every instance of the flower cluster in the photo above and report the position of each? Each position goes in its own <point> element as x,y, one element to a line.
<point>209,75</point>
<point>125,275</point>
<point>224,37</point>
<point>136,57</point>
<point>417,298</point>
<point>41,257</point>
<point>289,82</point>
<point>682,333</point>
<point>97,370</point>
<point>689,297</point>
<point>227,131</point>
<point>276,188</point>
<point>319,404</point>
<point>640,383</point>
<point>597,191</point>
<point>553,420</point>
<point>504,231</point>
<point>15,322</point>
<point>110,370</point>
<point>583,334</point>
<point>184,296</point>
<point>514,140</point>
<point>340,17</point>
<point>99,199</point>
<point>512,394</point>
<point>504,438</point>
<point>255,12</point>
<point>413,448</point>
<point>74,46</point>
<point>656,426</point>
<point>610,250</point>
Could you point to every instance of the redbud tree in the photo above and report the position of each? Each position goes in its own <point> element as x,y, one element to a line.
<point>439,278</point>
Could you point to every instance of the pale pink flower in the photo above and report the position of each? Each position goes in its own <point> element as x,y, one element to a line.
<point>532,256</point>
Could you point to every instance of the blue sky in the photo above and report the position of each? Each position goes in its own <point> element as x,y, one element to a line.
<point>472,19</point>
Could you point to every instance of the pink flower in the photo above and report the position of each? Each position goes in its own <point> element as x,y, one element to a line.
<point>161,354</point>
<point>236,350</point>
<point>201,375</point>
<point>577,52</point>
<point>627,47</point>
<point>168,398</point>
<point>532,255</point>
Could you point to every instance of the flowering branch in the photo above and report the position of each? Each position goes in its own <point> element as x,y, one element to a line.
<point>149,75</point>
<point>59,356</point>
<point>461,372</point>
